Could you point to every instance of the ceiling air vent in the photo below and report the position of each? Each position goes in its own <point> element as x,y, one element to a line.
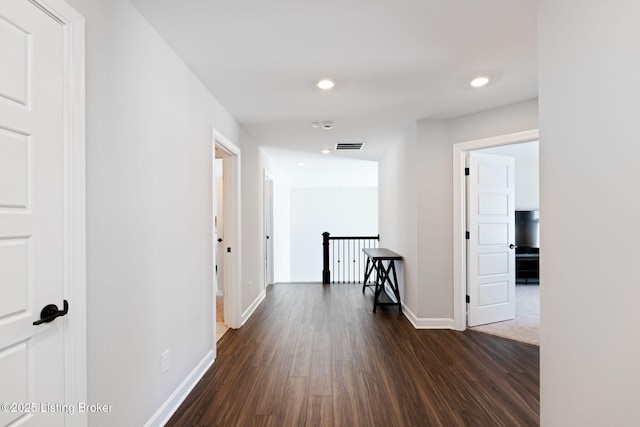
<point>349,145</point>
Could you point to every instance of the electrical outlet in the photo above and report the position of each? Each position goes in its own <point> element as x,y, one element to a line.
<point>250,285</point>
<point>165,361</point>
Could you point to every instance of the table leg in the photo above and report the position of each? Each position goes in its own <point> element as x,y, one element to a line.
<point>394,285</point>
<point>382,278</point>
<point>367,273</point>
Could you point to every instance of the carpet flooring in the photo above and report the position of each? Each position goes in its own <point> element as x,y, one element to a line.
<point>526,326</point>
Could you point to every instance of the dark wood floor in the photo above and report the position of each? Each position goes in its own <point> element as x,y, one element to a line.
<point>315,355</point>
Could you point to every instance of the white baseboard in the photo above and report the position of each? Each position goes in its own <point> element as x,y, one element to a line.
<point>427,323</point>
<point>174,401</point>
<point>249,311</point>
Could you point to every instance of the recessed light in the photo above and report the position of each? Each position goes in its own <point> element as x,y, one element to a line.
<point>479,81</point>
<point>300,163</point>
<point>325,84</point>
<point>325,151</point>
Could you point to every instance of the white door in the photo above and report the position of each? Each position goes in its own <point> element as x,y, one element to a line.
<point>218,198</point>
<point>32,213</point>
<point>490,246</point>
<point>268,231</point>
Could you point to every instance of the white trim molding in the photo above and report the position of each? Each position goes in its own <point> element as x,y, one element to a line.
<point>254,305</point>
<point>427,323</point>
<point>171,405</point>
<point>459,216</point>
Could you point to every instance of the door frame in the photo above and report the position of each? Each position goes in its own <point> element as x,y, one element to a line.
<point>232,216</point>
<point>459,214</point>
<point>75,268</point>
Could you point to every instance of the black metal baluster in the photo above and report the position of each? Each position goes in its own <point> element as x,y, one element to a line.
<point>341,266</point>
<point>345,257</point>
<point>359,250</point>
<point>338,261</point>
<point>342,259</point>
<point>350,257</point>
<point>351,261</point>
<point>346,261</point>
<point>333,261</point>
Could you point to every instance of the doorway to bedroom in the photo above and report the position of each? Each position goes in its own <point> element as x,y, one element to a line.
<point>491,270</point>
<point>218,235</point>
<point>501,235</point>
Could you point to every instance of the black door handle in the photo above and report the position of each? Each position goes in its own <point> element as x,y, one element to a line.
<point>512,246</point>
<point>51,312</point>
<point>219,240</point>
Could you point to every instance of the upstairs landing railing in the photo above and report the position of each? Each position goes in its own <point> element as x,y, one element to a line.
<point>342,258</point>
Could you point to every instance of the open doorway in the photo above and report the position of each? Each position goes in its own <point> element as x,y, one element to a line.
<point>226,237</point>
<point>218,236</point>
<point>524,323</point>
<point>460,151</point>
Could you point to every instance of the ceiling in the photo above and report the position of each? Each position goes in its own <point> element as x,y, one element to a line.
<point>393,62</point>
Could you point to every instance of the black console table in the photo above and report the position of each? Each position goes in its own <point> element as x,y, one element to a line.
<point>376,258</point>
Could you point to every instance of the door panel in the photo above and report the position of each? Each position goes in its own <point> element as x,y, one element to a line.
<point>14,166</point>
<point>32,217</point>
<point>492,234</point>
<point>14,77</point>
<point>14,274</point>
<point>492,294</point>
<point>493,264</point>
<point>490,260</point>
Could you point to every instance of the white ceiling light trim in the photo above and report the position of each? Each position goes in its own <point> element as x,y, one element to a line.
<point>325,84</point>
<point>480,81</point>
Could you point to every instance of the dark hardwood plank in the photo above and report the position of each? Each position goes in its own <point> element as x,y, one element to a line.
<point>315,355</point>
<point>321,375</point>
<point>293,411</point>
<point>319,411</point>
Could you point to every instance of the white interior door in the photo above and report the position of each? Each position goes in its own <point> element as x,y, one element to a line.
<point>33,253</point>
<point>490,247</point>
<point>268,231</point>
<point>218,198</point>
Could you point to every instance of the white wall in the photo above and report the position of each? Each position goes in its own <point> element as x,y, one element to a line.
<point>149,213</point>
<point>589,67</point>
<point>435,221</point>
<point>340,211</point>
<point>416,203</point>
<point>254,163</point>
<point>527,179</point>
<point>397,207</point>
